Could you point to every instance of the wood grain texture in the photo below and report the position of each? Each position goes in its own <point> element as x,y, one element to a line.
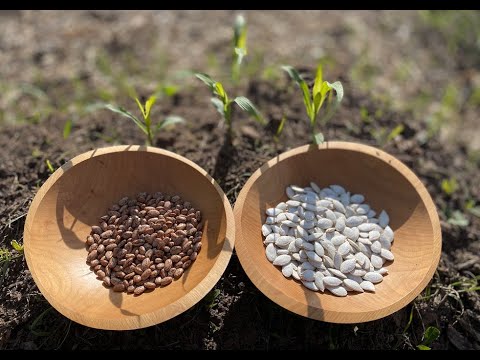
<point>78,193</point>
<point>387,184</point>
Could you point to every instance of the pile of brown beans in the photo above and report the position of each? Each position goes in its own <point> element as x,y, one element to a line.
<point>145,242</point>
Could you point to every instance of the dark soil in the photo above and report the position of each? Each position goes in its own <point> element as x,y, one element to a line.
<point>235,315</point>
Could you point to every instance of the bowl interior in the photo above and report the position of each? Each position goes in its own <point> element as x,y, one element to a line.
<point>387,184</point>
<point>79,194</point>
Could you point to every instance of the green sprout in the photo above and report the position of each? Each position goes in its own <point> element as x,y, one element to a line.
<point>313,101</point>
<point>223,103</point>
<point>239,46</point>
<point>17,246</point>
<point>145,124</point>
<point>276,137</point>
<point>449,186</point>
<point>50,166</point>
<point>431,334</point>
<point>383,136</point>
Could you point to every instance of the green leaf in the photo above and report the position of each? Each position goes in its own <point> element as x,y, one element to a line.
<point>49,166</point>
<point>220,91</point>
<point>459,219</point>
<point>320,97</point>
<point>317,86</point>
<point>318,138</point>
<point>475,211</point>
<point>148,105</point>
<point>280,126</point>
<point>67,128</point>
<point>295,76</point>
<point>125,113</point>
<point>247,105</point>
<point>17,246</point>
<point>218,104</point>
<point>142,109</point>
<point>431,334</point>
<point>170,120</point>
<point>395,132</point>
<point>240,34</point>
<point>207,80</point>
<point>338,87</point>
<point>423,347</point>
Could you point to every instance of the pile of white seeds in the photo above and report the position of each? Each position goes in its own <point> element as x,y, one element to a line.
<point>328,239</point>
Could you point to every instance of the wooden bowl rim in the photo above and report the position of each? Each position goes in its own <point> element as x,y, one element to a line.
<point>162,314</point>
<point>341,316</point>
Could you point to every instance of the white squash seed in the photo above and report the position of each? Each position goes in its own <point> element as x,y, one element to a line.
<point>328,238</point>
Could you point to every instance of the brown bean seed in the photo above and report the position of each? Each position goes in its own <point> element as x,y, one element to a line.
<point>115,280</point>
<point>139,290</point>
<point>94,263</point>
<point>100,249</point>
<point>150,285</point>
<point>146,274</point>
<point>107,234</point>
<point>175,250</point>
<point>129,276</point>
<point>144,242</point>
<point>166,281</point>
<point>92,255</point>
<point>178,273</point>
<point>90,240</point>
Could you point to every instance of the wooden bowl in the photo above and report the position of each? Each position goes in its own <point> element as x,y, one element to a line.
<point>78,193</point>
<point>387,184</point>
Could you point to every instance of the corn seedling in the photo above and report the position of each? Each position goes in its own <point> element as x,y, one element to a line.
<point>145,124</point>
<point>223,103</point>
<point>322,90</point>
<point>239,46</point>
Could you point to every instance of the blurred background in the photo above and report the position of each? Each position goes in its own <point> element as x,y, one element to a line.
<point>426,62</point>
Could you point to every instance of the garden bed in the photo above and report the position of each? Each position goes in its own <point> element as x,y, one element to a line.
<point>225,318</point>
